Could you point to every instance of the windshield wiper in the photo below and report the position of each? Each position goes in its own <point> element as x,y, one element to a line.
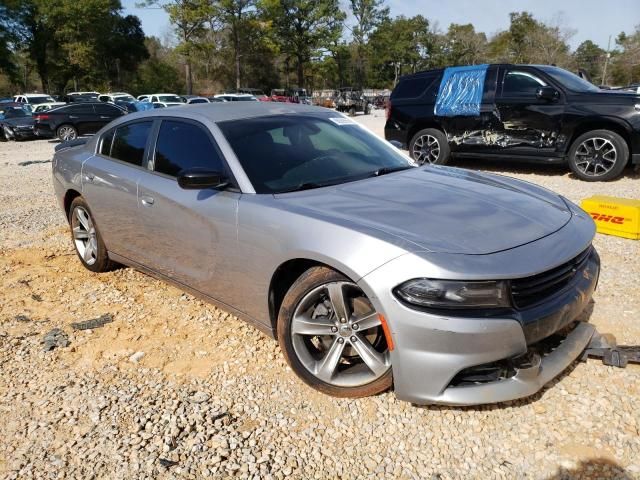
<point>385,170</point>
<point>305,186</point>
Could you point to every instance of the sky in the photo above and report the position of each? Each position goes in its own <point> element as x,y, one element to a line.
<point>590,19</point>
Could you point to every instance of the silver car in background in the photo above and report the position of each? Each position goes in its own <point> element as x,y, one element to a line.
<point>453,286</point>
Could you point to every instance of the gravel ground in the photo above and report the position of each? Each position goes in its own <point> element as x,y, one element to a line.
<point>175,388</point>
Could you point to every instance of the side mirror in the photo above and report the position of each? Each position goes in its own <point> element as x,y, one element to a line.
<point>547,93</point>
<point>201,179</point>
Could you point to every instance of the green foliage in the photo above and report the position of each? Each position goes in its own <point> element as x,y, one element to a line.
<point>304,28</point>
<point>156,74</point>
<point>461,45</point>
<point>590,57</point>
<point>626,62</point>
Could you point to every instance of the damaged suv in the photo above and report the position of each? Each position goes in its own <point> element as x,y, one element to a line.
<point>528,112</point>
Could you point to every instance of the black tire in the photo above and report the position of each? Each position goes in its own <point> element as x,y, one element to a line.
<point>367,109</point>
<point>423,151</point>
<point>588,142</point>
<point>100,261</point>
<point>352,112</point>
<point>60,132</point>
<point>308,282</point>
<point>5,135</point>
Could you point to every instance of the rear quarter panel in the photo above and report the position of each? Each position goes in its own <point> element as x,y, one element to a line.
<point>67,170</point>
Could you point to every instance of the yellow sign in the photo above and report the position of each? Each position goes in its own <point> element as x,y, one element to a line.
<point>614,216</point>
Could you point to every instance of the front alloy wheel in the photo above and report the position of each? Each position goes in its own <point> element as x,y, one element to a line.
<point>599,155</point>
<point>332,336</point>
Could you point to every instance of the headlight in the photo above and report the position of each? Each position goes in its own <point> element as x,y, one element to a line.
<point>425,292</point>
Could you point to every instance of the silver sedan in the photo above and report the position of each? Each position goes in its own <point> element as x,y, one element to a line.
<point>455,287</point>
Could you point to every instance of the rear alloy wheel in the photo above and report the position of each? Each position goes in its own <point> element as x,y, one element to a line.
<point>66,133</point>
<point>86,238</point>
<point>332,336</point>
<point>599,155</point>
<point>429,146</point>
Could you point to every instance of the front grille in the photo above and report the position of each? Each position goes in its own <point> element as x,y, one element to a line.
<point>531,290</point>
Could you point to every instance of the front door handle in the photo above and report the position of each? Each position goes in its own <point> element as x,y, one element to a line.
<point>89,177</point>
<point>104,117</point>
<point>146,200</point>
<point>73,116</point>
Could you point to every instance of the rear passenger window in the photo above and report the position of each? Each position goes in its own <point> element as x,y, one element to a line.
<point>185,146</point>
<point>412,87</point>
<point>129,142</point>
<point>105,143</point>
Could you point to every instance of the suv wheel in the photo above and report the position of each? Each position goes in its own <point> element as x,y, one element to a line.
<point>599,155</point>
<point>66,133</point>
<point>430,146</point>
<point>332,336</point>
<point>86,238</point>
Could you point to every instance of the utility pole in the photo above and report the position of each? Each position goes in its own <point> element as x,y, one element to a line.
<point>606,62</point>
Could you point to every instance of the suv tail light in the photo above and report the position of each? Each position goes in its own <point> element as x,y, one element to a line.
<point>388,109</point>
<point>41,116</point>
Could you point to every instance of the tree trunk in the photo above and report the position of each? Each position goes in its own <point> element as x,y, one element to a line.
<point>236,50</point>
<point>300,73</point>
<point>189,77</point>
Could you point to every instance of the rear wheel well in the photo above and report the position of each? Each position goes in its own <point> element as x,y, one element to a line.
<point>599,125</point>
<point>421,126</point>
<point>69,197</point>
<point>282,280</point>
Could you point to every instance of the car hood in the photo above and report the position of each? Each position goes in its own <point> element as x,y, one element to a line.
<point>439,209</point>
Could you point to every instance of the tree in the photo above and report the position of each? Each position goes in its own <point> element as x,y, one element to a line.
<point>157,72</point>
<point>626,62</point>
<point>402,45</point>
<point>590,58</point>
<point>461,45</point>
<point>368,14</point>
<point>189,18</point>
<point>304,28</point>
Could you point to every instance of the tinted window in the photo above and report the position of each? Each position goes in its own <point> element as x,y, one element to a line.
<point>85,109</point>
<point>184,146</point>
<point>520,83</point>
<point>569,80</point>
<point>286,152</point>
<point>108,110</point>
<point>105,145</point>
<point>412,87</point>
<point>129,142</point>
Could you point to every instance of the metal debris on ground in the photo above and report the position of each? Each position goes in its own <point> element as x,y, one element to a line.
<point>167,463</point>
<point>604,346</point>
<point>55,338</point>
<point>36,297</point>
<point>93,323</point>
<point>21,318</point>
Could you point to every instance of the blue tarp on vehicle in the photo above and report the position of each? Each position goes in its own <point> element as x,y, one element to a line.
<point>460,91</point>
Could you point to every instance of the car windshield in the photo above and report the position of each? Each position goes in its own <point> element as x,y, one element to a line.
<point>570,80</point>
<point>246,99</point>
<point>38,100</point>
<point>285,153</point>
<point>124,98</point>
<point>169,98</point>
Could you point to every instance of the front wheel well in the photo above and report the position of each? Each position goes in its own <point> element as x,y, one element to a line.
<point>69,197</point>
<point>282,280</point>
<point>600,125</point>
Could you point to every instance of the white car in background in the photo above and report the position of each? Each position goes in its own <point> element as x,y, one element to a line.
<point>236,97</point>
<point>37,101</point>
<point>165,99</point>
<point>193,100</point>
<point>116,96</point>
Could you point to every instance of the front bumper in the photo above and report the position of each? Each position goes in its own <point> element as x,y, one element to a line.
<point>432,349</point>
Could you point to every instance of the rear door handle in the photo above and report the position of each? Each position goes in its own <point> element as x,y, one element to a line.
<point>146,200</point>
<point>73,116</point>
<point>104,117</point>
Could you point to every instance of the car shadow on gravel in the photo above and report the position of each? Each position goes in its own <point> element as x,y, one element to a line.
<point>593,468</point>
<point>529,168</point>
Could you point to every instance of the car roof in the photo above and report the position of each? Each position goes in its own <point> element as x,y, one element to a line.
<point>33,95</point>
<point>225,111</point>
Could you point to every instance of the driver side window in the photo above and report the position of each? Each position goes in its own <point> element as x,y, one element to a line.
<point>520,83</point>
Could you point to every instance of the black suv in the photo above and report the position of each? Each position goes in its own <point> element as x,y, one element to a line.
<point>529,112</point>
